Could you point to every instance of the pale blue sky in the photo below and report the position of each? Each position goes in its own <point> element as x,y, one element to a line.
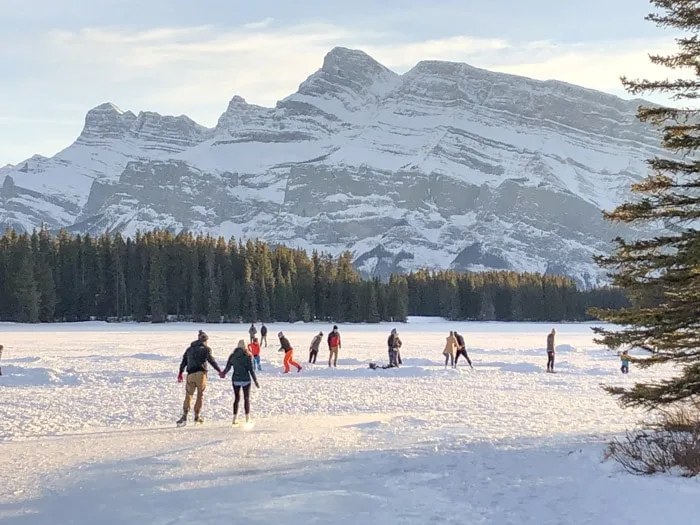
<point>59,58</point>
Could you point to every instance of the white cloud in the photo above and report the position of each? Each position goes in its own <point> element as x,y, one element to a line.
<point>262,24</point>
<point>196,70</point>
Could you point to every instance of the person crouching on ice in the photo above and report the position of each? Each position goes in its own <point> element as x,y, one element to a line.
<point>288,353</point>
<point>254,349</point>
<point>243,373</point>
<point>195,359</point>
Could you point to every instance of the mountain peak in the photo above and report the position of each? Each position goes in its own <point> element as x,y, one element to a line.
<point>342,57</point>
<point>108,107</point>
<point>239,113</point>
<point>106,121</point>
<point>348,75</point>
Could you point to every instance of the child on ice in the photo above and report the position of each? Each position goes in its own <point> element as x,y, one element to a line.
<point>254,349</point>
<point>625,358</point>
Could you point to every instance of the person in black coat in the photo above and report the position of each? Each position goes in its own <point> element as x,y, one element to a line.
<point>243,373</point>
<point>461,350</point>
<point>263,334</point>
<point>195,360</point>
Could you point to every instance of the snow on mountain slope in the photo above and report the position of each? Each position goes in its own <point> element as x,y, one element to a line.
<point>445,166</point>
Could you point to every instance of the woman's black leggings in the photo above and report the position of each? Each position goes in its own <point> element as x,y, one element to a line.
<point>237,398</point>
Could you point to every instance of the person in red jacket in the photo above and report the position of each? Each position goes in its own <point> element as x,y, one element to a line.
<point>333,347</point>
<point>288,353</point>
<point>254,349</point>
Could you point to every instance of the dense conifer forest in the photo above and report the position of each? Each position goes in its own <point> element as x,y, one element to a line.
<point>157,276</point>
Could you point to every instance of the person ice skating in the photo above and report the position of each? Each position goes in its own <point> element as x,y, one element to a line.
<point>254,349</point>
<point>449,351</point>
<point>333,346</point>
<point>288,353</point>
<point>394,344</point>
<point>252,331</point>
<point>314,347</point>
<point>263,334</point>
<point>195,359</point>
<point>461,350</point>
<point>550,350</point>
<point>625,359</point>
<point>243,373</point>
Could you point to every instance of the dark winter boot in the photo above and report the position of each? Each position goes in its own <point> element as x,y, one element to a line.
<point>198,419</point>
<point>182,421</point>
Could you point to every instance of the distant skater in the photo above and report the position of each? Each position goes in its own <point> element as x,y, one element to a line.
<point>263,334</point>
<point>314,347</point>
<point>195,360</point>
<point>624,358</point>
<point>288,353</point>
<point>461,350</point>
<point>550,350</point>
<point>252,331</point>
<point>1,347</point>
<point>254,349</point>
<point>394,344</point>
<point>243,374</point>
<point>449,351</point>
<point>333,347</point>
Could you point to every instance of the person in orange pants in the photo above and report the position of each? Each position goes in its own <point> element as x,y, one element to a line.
<point>288,353</point>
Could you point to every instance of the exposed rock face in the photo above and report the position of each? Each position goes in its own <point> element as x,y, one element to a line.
<point>444,166</point>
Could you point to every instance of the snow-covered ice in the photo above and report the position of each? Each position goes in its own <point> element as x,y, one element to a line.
<point>87,431</point>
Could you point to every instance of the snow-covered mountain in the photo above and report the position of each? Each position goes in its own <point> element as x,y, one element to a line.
<point>444,166</point>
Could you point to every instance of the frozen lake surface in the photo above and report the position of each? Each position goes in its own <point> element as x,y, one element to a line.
<point>87,431</point>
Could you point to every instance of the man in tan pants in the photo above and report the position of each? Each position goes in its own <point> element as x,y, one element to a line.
<point>195,359</point>
<point>333,347</point>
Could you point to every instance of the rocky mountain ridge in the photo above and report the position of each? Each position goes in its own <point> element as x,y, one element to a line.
<point>445,166</point>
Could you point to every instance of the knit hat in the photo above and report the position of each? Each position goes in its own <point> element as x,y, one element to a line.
<point>335,327</point>
<point>280,334</point>
<point>393,331</point>
<point>202,336</point>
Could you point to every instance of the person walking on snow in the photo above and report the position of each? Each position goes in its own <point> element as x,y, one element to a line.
<point>333,347</point>
<point>550,350</point>
<point>314,347</point>
<point>461,350</point>
<point>288,353</point>
<point>195,360</point>
<point>254,349</point>
<point>263,334</point>
<point>252,331</point>
<point>449,351</point>
<point>241,377</point>
<point>625,358</point>
<point>394,344</point>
